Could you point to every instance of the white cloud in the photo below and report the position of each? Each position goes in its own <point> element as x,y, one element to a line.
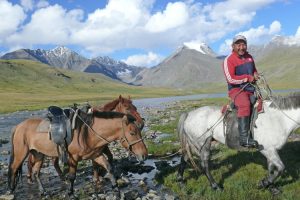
<point>50,25</point>
<point>42,4</point>
<point>131,24</point>
<point>144,60</point>
<point>27,4</point>
<point>255,36</point>
<point>176,14</point>
<point>298,32</point>
<point>12,16</point>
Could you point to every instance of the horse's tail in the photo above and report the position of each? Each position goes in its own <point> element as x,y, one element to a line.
<point>11,180</point>
<point>184,140</point>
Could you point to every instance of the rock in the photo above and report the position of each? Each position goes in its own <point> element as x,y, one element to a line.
<point>7,197</point>
<point>131,195</point>
<point>5,152</point>
<point>169,197</point>
<point>122,182</point>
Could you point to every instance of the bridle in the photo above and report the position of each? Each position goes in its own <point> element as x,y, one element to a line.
<point>124,138</point>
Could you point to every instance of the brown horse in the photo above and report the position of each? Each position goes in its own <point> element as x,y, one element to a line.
<point>121,104</point>
<point>87,143</point>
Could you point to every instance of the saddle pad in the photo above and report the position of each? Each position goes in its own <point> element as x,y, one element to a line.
<point>44,126</point>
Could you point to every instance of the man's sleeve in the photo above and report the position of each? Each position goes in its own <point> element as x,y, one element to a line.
<point>229,71</point>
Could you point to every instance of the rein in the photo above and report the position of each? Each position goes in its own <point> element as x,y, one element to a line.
<point>98,135</point>
<point>124,138</point>
<point>269,93</point>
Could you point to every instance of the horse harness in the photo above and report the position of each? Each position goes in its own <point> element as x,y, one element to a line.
<point>122,139</point>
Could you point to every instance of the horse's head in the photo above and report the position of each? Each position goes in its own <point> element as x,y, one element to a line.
<point>132,139</point>
<point>124,105</point>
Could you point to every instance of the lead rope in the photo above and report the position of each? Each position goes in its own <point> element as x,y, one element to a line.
<point>98,135</point>
<point>269,93</point>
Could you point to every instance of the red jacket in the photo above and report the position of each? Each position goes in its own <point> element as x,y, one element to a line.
<point>236,68</point>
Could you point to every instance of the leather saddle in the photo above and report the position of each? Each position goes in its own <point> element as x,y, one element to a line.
<point>58,124</point>
<point>230,123</point>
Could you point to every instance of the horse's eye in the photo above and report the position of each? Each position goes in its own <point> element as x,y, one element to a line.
<point>132,133</point>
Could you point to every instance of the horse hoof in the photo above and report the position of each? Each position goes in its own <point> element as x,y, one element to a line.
<point>263,184</point>
<point>179,178</point>
<point>274,190</point>
<point>44,194</point>
<point>216,187</point>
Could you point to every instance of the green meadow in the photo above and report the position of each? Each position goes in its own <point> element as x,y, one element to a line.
<point>29,85</point>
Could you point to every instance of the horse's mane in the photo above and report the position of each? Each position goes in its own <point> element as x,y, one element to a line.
<point>286,102</point>
<point>113,104</point>
<point>112,115</point>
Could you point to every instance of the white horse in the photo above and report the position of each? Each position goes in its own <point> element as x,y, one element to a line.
<point>199,127</point>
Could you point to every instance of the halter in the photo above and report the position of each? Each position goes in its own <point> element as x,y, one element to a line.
<point>124,138</point>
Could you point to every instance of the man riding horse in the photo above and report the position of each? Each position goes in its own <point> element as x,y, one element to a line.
<point>240,70</point>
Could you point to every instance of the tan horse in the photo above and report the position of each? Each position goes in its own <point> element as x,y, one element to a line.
<point>121,104</point>
<point>87,143</point>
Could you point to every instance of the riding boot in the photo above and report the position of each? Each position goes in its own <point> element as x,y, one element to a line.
<point>244,129</point>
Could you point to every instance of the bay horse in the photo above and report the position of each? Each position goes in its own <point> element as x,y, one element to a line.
<point>120,104</point>
<point>87,143</point>
<point>199,127</point>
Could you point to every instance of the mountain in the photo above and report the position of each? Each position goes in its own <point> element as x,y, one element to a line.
<point>61,57</point>
<point>201,47</point>
<point>65,58</point>
<point>114,69</point>
<point>185,68</point>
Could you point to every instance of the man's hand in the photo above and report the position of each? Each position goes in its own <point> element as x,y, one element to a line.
<point>249,79</point>
<point>256,76</point>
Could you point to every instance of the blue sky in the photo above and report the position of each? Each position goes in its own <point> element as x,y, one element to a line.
<point>143,32</point>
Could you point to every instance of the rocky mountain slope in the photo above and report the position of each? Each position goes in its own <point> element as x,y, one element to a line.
<point>65,58</point>
<point>186,68</point>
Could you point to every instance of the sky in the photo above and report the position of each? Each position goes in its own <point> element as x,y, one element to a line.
<point>143,32</point>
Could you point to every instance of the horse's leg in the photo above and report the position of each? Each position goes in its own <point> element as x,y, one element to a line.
<point>55,162</point>
<point>108,154</point>
<point>182,165</point>
<point>30,163</point>
<point>72,174</point>
<point>96,179</point>
<point>205,157</point>
<point>101,160</point>
<point>17,158</point>
<point>275,169</point>
<point>38,162</point>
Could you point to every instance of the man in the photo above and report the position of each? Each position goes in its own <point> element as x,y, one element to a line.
<point>239,70</point>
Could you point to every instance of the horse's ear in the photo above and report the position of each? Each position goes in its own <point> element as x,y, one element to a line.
<point>120,98</point>
<point>125,119</point>
<point>129,97</point>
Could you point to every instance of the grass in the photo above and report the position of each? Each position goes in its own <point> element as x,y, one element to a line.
<point>29,85</point>
<point>238,172</point>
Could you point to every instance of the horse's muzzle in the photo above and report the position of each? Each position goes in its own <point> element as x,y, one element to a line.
<point>141,158</point>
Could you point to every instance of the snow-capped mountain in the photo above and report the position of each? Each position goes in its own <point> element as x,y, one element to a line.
<point>201,47</point>
<point>63,57</point>
<point>187,67</point>
<point>112,68</point>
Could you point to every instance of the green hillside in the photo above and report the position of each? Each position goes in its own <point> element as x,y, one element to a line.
<point>29,85</point>
<point>281,67</point>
